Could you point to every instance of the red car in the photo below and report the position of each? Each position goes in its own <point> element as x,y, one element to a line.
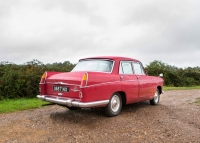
<point>108,82</point>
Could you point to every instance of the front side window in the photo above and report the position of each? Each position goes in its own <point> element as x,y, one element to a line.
<point>138,68</point>
<point>126,68</point>
<point>94,65</point>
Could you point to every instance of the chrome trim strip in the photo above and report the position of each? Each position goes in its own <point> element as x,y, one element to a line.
<point>112,66</point>
<point>90,104</point>
<point>62,83</point>
<point>72,102</point>
<point>109,83</point>
<point>99,84</point>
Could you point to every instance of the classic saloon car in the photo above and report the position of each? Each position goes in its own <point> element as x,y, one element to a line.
<point>108,82</point>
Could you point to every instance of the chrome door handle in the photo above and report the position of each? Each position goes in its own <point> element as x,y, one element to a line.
<point>138,77</point>
<point>121,76</point>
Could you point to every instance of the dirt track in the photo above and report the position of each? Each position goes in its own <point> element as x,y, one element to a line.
<point>176,119</point>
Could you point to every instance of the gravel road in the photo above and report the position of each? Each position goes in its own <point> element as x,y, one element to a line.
<point>175,119</point>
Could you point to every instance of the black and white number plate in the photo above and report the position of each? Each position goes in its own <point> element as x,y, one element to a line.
<point>61,88</point>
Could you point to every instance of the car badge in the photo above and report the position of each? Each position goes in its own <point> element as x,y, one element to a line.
<point>75,89</point>
<point>60,94</point>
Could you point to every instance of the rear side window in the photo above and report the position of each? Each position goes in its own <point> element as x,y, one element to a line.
<point>126,67</point>
<point>138,69</point>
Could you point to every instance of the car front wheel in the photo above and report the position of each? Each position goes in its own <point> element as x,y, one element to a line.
<point>156,98</point>
<point>114,106</point>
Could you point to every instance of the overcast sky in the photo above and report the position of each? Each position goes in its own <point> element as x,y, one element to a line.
<point>67,30</point>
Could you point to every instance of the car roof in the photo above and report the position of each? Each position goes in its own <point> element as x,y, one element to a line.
<point>112,58</point>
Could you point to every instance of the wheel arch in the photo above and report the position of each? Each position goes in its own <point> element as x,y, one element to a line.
<point>159,89</point>
<point>123,96</point>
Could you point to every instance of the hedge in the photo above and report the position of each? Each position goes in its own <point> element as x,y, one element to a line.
<point>22,81</point>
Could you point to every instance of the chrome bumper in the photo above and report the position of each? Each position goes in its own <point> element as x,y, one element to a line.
<point>72,103</point>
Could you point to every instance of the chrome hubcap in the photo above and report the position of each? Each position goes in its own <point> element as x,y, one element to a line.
<point>115,103</point>
<point>156,97</point>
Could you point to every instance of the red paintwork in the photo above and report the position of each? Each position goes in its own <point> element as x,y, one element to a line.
<point>101,86</point>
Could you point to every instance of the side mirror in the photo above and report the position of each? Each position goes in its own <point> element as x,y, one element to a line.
<point>161,75</point>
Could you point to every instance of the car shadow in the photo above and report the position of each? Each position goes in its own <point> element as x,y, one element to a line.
<point>135,106</point>
<point>83,116</point>
<point>91,116</point>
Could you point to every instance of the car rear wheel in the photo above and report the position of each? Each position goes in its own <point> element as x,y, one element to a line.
<point>156,98</point>
<point>114,106</point>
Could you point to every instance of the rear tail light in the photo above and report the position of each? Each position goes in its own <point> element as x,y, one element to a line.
<point>84,80</point>
<point>43,77</point>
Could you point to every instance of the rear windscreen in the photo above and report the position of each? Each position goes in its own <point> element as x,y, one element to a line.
<point>94,65</point>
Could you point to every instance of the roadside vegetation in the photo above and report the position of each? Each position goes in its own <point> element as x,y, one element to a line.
<point>22,81</point>
<point>180,88</point>
<point>197,101</point>
<point>11,105</point>
<point>174,76</point>
<point>19,84</point>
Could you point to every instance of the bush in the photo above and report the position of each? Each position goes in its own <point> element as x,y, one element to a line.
<point>174,76</point>
<point>22,81</point>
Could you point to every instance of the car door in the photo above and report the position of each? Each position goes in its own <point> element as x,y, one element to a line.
<point>146,86</point>
<point>129,82</point>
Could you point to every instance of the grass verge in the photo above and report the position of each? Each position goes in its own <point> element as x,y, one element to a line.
<point>197,101</point>
<point>180,88</point>
<point>11,105</point>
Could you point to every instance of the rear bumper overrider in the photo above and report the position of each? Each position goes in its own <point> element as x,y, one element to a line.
<point>72,102</point>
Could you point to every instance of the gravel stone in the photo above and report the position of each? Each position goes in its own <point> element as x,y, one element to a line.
<point>176,119</point>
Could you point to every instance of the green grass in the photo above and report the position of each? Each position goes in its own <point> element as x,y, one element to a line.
<point>11,105</point>
<point>197,101</point>
<point>180,88</point>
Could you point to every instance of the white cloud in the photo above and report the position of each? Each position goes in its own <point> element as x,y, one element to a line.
<point>67,30</point>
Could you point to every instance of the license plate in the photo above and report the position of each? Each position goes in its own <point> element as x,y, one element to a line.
<point>61,88</point>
